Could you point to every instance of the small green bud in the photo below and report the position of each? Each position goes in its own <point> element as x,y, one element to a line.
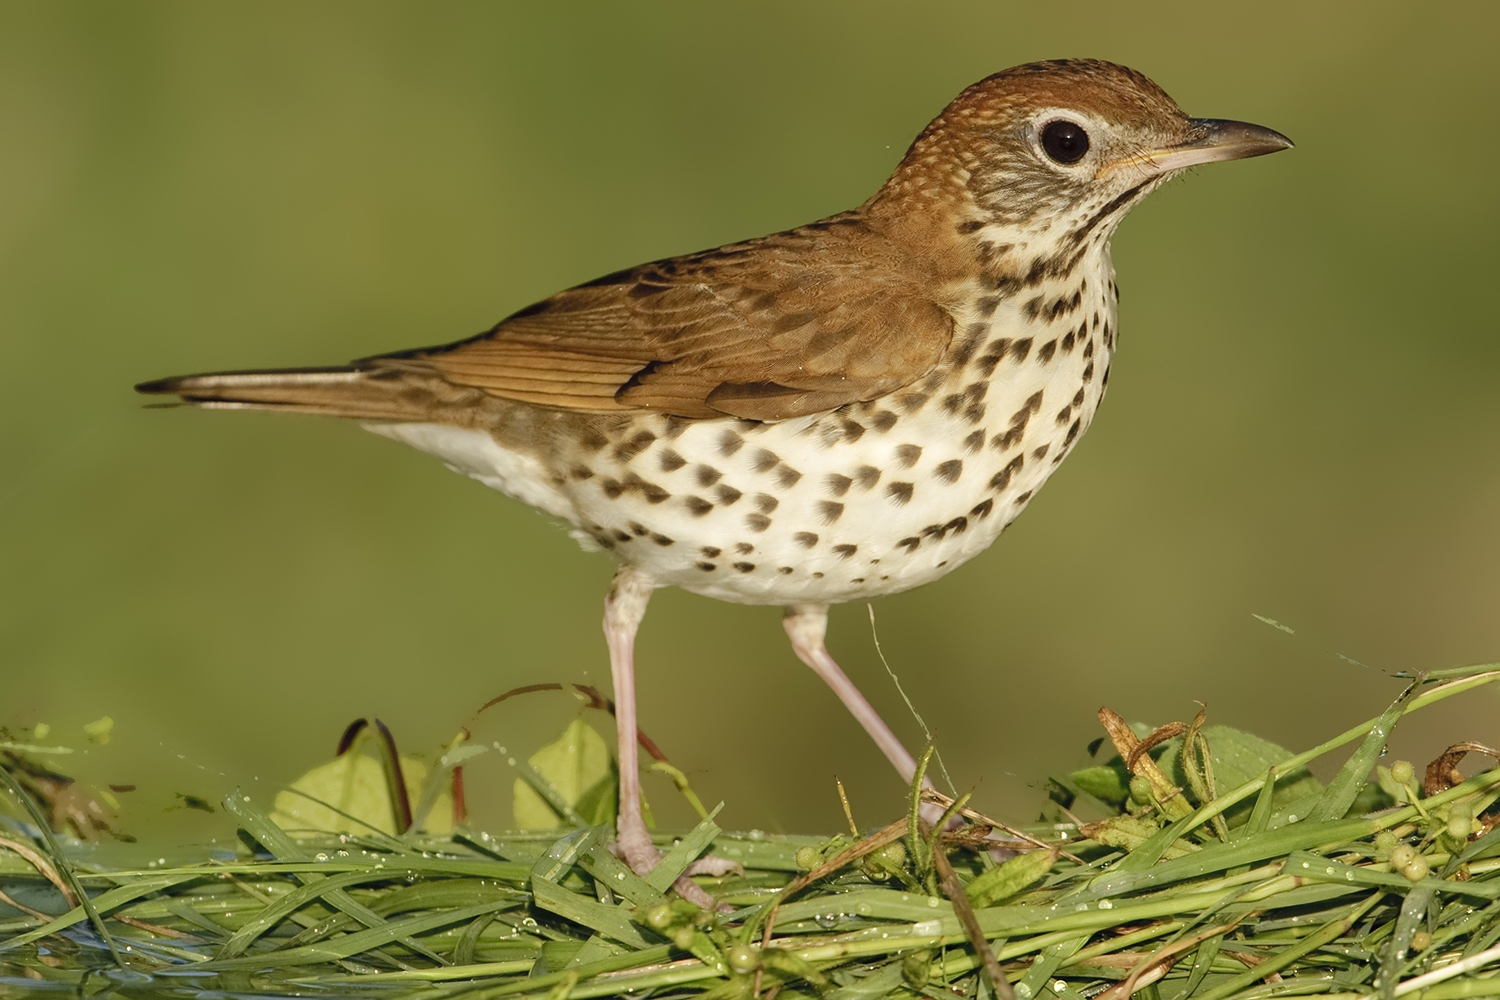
<point>683,937</point>
<point>808,858</point>
<point>916,968</point>
<point>1460,822</point>
<point>1421,941</point>
<point>880,864</point>
<point>1417,870</point>
<point>1140,789</point>
<point>659,917</point>
<point>1384,841</point>
<point>1402,855</point>
<point>1402,772</point>
<point>741,958</point>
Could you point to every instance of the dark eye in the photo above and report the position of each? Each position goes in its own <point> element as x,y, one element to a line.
<point>1065,141</point>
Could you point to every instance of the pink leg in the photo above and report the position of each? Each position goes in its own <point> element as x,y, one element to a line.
<point>807,625</point>
<point>623,610</point>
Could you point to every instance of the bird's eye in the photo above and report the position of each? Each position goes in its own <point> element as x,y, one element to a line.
<point>1065,141</point>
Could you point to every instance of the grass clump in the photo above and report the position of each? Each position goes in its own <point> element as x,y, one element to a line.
<point>1221,870</point>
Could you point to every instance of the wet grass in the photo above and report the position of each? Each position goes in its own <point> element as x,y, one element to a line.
<point>1384,883</point>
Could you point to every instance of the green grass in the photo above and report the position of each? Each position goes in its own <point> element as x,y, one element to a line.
<point>1280,886</point>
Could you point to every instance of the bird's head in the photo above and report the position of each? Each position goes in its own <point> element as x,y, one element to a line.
<point>1053,154</point>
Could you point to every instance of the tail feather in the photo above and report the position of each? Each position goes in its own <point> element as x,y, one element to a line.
<point>351,392</point>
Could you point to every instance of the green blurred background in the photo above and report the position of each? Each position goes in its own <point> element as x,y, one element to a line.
<point>1302,423</point>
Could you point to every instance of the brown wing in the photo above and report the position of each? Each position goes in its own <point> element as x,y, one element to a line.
<point>778,327</point>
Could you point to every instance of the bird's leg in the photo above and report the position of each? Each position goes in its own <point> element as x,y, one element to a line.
<point>807,626</point>
<point>623,610</point>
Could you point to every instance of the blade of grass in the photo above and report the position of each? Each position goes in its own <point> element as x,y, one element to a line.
<point>1345,787</point>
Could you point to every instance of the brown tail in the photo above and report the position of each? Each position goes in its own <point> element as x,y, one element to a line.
<point>354,392</point>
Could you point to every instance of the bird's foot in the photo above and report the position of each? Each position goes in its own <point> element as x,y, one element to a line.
<point>633,846</point>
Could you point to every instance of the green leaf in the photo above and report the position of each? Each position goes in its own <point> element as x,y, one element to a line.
<point>578,767</point>
<point>1009,878</point>
<point>355,785</point>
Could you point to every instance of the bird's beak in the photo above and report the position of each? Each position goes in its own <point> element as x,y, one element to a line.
<point>1211,140</point>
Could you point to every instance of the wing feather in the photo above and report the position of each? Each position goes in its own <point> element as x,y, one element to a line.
<point>783,326</point>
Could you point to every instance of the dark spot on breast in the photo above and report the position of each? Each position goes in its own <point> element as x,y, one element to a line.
<point>908,454</point>
<point>975,413</point>
<point>911,402</point>
<point>661,539</point>
<point>674,426</point>
<point>1040,453</point>
<point>1003,477</point>
<point>969,226</point>
<point>612,488</point>
<point>623,537</point>
<point>1021,349</point>
<point>986,306</point>
<point>867,476</point>
<point>581,472</point>
<point>1045,352</point>
<point>910,544</point>
<point>710,551</point>
<point>829,511</point>
<point>1064,415</point>
<point>1072,433</point>
<point>591,439</point>
<point>652,492</point>
<point>1088,350</point>
<point>852,431</point>
<point>787,477</point>
<point>707,475</point>
<point>900,493</point>
<point>765,503</point>
<point>953,402</point>
<point>729,443</point>
<point>1088,372</point>
<point>706,567</point>
<point>836,484</point>
<point>1024,497</point>
<point>957,526</point>
<point>1032,308</point>
<point>1104,379</point>
<point>763,460</point>
<point>817,575</point>
<point>625,451</point>
<point>806,539</point>
<point>974,442</point>
<point>973,337</point>
<point>727,495</point>
<point>638,528</point>
<point>744,548</point>
<point>697,506</point>
<point>784,570</point>
<point>757,522</point>
<point>1067,342</point>
<point>671,461</point>
<point>846,551</point>
<point>1078,398</point>
<point>883,420</point>
<point>982,509</point>
<point>858,579</point>
<point>949,471</point>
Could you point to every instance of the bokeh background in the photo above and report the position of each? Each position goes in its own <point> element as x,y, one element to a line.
<point>1302,422</point>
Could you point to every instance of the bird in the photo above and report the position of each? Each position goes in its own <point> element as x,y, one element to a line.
<point>833,413</point>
